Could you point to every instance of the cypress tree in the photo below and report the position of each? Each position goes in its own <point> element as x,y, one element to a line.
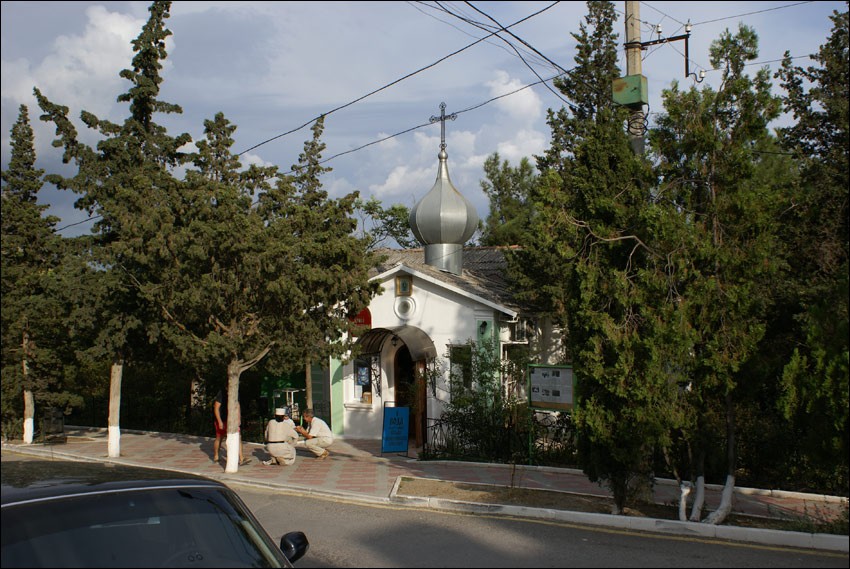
<point>589,261</point>
<point>127,182</point>
<point>815,378</point>
<point>31,312</point>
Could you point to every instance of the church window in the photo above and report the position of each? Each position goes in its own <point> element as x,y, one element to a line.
<point>461,366</point>
<point>363,379</point>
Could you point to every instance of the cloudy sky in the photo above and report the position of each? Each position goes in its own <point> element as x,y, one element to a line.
<point>272,67</point>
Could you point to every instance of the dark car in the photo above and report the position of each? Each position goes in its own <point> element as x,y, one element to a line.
<point>80,514</point>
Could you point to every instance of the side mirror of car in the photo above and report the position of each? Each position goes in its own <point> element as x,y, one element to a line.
<point>294,545</point>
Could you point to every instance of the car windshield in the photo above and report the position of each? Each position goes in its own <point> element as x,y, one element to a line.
<point>161,527</point>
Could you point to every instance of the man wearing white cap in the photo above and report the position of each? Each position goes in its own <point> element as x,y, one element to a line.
<point>280,436</point>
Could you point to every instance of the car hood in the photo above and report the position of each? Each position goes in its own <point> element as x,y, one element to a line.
<point>39,479</point>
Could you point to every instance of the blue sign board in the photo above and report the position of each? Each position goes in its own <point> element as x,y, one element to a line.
<point>396,429</point>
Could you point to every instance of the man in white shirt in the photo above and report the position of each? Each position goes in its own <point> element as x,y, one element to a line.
<point>317,436</point>
<point>280,438</point>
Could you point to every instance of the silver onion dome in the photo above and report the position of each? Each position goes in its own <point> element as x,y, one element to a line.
<point>443,221</point>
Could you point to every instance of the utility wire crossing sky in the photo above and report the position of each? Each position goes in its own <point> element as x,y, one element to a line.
<point>378,71</point>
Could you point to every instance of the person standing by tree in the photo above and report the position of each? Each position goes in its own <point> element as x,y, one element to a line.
<point>318,436</point>
<point>220,412</point>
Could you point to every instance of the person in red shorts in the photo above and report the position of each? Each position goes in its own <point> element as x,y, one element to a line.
<point>220,412</point>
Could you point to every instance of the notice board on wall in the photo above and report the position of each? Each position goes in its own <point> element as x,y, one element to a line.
<point>550,387</point>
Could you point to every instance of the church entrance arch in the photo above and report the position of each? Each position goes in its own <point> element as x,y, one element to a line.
<point>409,351</point>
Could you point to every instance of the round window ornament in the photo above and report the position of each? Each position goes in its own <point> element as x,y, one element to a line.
<point>405,307</point>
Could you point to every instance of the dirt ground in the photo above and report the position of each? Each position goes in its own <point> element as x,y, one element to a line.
<point>486,494</point>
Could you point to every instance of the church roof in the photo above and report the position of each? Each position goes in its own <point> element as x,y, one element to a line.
<point>484,272</point>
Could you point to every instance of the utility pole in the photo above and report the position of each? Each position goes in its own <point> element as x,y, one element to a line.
<point>634,69</point>
<point>631,91</point>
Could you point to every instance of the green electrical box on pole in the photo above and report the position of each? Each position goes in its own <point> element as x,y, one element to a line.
<point>631,91</point>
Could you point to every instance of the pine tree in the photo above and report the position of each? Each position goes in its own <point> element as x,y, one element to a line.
<point>329,263</point>
<point>508,189</point>
<point>127,182</point>
<point>815,379</point>
<point>31,251</point>
<point>379,226</point>
<point>241,283</point>
<point>589,261</point>
<point>724,246</point>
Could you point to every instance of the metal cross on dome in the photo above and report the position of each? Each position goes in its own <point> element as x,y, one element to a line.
<point>443,118</point>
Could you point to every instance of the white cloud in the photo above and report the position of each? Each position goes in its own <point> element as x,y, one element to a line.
<point>526,143</point>
<point>460,143</point>
<point>16,80</point>
<point>84,68</point>
<point>403,181</point>
<point>524,106</point>
<point>339,187</point>
<point>272,66</point>
<point>249,159</point>
<point>389,144</point>
<point>427,147</point>
<point>79,71</point>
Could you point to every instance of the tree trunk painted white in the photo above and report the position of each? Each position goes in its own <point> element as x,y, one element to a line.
<point>719,515</point>
<point>116,372</point>
<point>232,443</point>
<point>686,488</point>
<point>29,416</point>
<point>29,400</point>
<point>699,500</point>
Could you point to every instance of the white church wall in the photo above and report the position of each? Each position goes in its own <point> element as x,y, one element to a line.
<point>448,318</point>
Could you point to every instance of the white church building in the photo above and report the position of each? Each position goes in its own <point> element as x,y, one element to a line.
<point>436,302</point>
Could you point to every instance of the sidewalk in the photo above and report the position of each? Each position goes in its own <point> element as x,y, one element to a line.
<point>357,471</point>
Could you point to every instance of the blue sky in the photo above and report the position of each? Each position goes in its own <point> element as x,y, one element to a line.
<point>270,67</point>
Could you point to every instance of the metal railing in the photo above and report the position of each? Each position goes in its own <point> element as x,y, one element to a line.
<point>547,438</point>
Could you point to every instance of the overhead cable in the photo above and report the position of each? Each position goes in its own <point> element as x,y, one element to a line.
<point>399,80</point>
<point>751,13</point>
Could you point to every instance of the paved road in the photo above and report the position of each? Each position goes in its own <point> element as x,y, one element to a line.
<point>358,471</point>
<point>354,535</point>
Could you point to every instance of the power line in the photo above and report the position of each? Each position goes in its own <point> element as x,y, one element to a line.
<point>751,13</point>
<point>708,22</point>
<point>91,218</point>
<point>399,80</point>
<point>490,34</point>
<point>489,28</point>
<point>662,13</point>
<point>519,39</point>
<point>482,26</point>
<point>466,110</point>
<point>446,22</point>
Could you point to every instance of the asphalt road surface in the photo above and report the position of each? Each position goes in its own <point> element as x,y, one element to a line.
<point>353,535</point>
<point>345,534</point>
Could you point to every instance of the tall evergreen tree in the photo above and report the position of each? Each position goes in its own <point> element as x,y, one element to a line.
<point>588,260</point>
<point>328,263</point>
<point>242,283</point>
<point>725,248</point>
<point>587,85</point>
<point>508,189</point>
<point>815,380</point>
<point>380,226</point>
<point>128,183</point>
<point>31,313</point>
